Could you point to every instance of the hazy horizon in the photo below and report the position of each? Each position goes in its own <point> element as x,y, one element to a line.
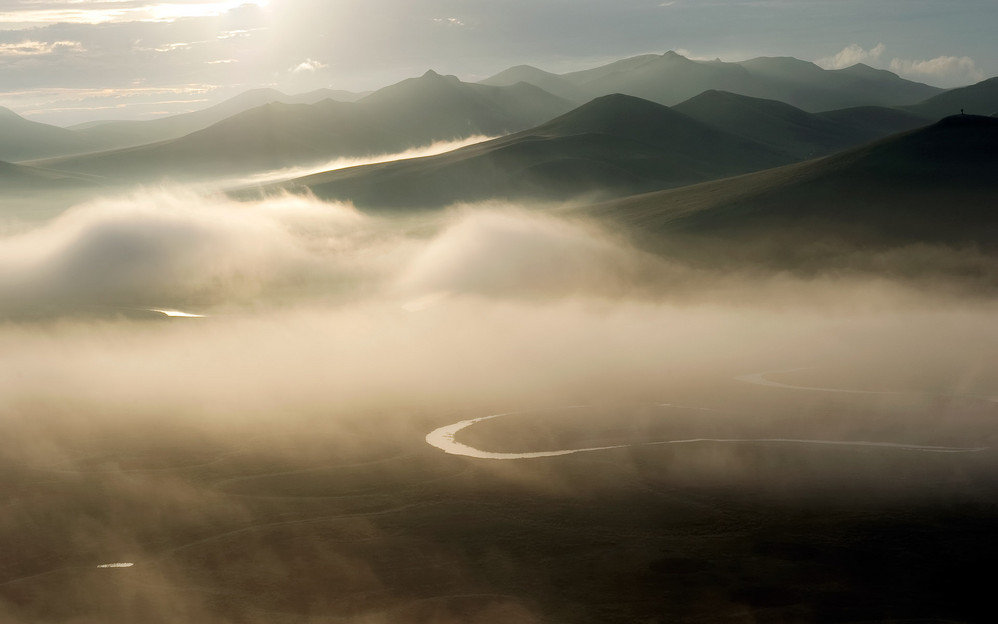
<point>68,63</point>
<point>681,342</point>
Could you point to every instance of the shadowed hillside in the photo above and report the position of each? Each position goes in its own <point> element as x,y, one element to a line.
<point>977,99</point>
<point>792,130</point>
<point>935,185</point>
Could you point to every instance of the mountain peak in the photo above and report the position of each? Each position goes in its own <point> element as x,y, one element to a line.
<point>432,75</point>
<point>862,69</point>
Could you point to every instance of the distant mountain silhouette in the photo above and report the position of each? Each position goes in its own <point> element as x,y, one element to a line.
<point>812,88</point>
<point>276,135</point>
<point>450,108</point>
<point>671,78</point>
<point>614,145</point>
<point>934,185</point>
<point>552,83</point>
<point>118,134</point>
<point>21,139</point>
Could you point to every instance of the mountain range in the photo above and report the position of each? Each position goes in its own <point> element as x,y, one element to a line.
<point>768,158</point>
<point>414,112</point>
<point>671,78</point>
<point>613,146</point>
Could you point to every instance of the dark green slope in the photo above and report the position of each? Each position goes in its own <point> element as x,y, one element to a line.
<point>876,121</point>
<point>415,112</point>
<point>790,129</point>
<point>614,145</point>
<point>934,185</point>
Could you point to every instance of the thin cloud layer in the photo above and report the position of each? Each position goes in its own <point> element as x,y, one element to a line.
<point>851,55</point>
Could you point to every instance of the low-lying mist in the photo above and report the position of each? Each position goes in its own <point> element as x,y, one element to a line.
<point>315,305</point>
<point>276,439</point>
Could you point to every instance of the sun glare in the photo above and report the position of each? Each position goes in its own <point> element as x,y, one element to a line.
<point>125,12</point>
<point>172,11</point>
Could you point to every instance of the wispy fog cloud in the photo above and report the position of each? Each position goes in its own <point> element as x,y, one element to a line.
<point>852,54</point>
<point>437,147</point>
<point>159,249</point>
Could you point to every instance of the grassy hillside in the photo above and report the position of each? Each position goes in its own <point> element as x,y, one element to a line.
<point>933,186</point>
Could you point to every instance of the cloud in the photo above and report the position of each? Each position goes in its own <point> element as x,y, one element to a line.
<point>448,21</point>
<point>692,55</point>
<point>850,55</point>
<point>308,66</point>
<point>510,253</point>
<point>169,249</point>
<point>942,70</point>
<point>39,48</point>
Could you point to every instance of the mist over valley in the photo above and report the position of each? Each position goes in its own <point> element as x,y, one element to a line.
<point>659,339</point>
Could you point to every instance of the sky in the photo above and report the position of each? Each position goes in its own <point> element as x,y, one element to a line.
<point>72,61</point>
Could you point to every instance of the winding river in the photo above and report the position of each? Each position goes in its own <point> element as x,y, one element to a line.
<point>443,438</point>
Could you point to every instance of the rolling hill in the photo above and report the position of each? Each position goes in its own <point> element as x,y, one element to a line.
<point>932,186</point>
<point>614,145</point>
<point>976,99</point>
<point>792,130</point>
